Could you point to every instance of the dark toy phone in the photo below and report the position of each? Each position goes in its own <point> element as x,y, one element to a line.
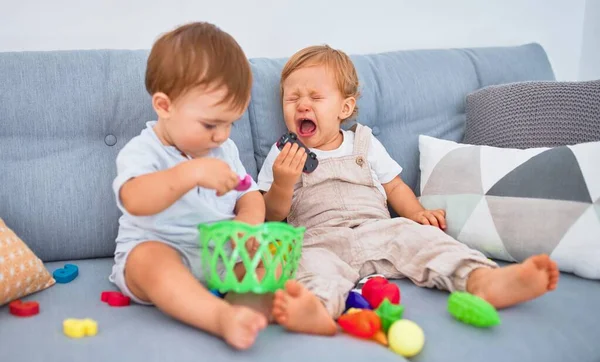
<point>311,161</point>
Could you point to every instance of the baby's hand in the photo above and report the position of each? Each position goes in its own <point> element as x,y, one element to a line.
<point>288,165</point>
<point>212,173</point>
<point>435,218</point>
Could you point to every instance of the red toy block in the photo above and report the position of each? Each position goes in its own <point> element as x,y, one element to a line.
<point>377,289</point>
<point>24,309</point>
<point>115,299</point>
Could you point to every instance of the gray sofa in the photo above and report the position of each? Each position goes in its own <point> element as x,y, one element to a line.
<point>64,115</point>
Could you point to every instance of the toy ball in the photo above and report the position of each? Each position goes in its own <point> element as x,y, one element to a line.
<point>406,338</point>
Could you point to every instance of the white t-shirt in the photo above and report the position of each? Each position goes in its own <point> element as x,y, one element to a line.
<point>177,224</point>
<point>383,167</point>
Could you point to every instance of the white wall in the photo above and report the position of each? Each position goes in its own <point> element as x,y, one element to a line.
<point>279,27</point>
<point>590,56</point>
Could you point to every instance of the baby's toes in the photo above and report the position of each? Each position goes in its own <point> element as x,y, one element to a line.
<point>554,276</point>
<point>260,322</point>
<point>280,299</point>
<point>541,261</point>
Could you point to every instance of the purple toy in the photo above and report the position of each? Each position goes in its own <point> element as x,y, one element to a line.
<point>355,300</point>
<point>245,183</point>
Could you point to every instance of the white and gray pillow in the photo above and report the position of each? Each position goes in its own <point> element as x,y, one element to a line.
<point>513,203</point>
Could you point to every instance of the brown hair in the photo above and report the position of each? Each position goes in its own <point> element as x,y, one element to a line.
<point>336,60</point>
<point>199,54</point>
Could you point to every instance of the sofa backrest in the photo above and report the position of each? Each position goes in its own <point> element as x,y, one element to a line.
<point>66,114</point>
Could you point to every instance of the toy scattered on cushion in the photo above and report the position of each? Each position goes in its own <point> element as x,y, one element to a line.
<point>379,288</point>
<point>406,338</point>
<point>389,313</point>
<point>363,324</point>
<point>473,310</point>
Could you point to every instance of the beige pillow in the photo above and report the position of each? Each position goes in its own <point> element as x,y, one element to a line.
<point>21,271</point>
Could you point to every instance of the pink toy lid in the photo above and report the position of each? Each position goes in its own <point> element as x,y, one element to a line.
<point>244,184</point>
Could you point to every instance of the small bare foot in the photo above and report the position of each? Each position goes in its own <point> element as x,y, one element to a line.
<point>240,326</point>
<point>298,310</point>
<point>514,284</point>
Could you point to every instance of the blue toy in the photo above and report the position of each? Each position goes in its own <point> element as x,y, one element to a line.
<point>66,274</point>
<point>355,300</point>
<point>216,293</point>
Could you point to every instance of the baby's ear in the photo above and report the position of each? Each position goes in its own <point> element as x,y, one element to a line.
<point>161,104</point>
<point>347,108</point>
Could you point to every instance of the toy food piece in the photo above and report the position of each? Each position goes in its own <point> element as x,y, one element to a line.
<point>311,161</point>
<point>356,300</point>
<point>377,289</point>
<point>363,324</point>
<point>381,338</point>
<point>353,310</point>
<point>115,299</point>
<point>66,274</point>
<point>361,283</point>
<point>406,338</point>
<point>473,310</point>
<point>389,313</point>
<point>244,184</point>
<point>216,293</point>
<point>19,308</point>
<point>79,328</point>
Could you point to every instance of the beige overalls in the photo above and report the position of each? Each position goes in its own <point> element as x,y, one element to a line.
<point>350,234</point>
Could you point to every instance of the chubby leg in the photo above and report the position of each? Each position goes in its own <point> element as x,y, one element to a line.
<point>401,248</point>
<point>318,296</point>
<point>156,274</point>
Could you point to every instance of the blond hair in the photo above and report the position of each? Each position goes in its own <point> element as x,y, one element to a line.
<point>199,54</point>
<point>336,60</point>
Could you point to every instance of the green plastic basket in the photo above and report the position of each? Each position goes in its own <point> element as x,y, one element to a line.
<point>280,245</point>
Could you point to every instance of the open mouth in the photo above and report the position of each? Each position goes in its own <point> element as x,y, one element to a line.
<point>306,127</point>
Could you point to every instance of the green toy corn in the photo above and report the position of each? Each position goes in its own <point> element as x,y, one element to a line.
<point>473,310</point>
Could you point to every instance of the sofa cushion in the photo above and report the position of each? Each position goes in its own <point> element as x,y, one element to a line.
<point>65,116</point>
<point>21,272</point>
<point>534,114</point>
<point>511,204</point>
<point>560,326</point>
<point>404,94</point>
<point>79,108</point>
<point>498,65</point>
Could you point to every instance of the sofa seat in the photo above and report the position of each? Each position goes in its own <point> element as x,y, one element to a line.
<point>561,326</point>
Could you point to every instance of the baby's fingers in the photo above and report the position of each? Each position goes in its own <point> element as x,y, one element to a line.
<point>299,160</point>
<point>290,156</point>
<point>283,154</point>
<point>440,216</point>
<point>432,220</point>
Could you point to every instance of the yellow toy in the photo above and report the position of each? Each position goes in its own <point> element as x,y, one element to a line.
<point>79,328</point>
<point>406,338</point>
<point>353,310</point>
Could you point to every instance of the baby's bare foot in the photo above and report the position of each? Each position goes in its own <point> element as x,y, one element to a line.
<point>240,326</point>
<point>298,310</point>
<point>514,284</point>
